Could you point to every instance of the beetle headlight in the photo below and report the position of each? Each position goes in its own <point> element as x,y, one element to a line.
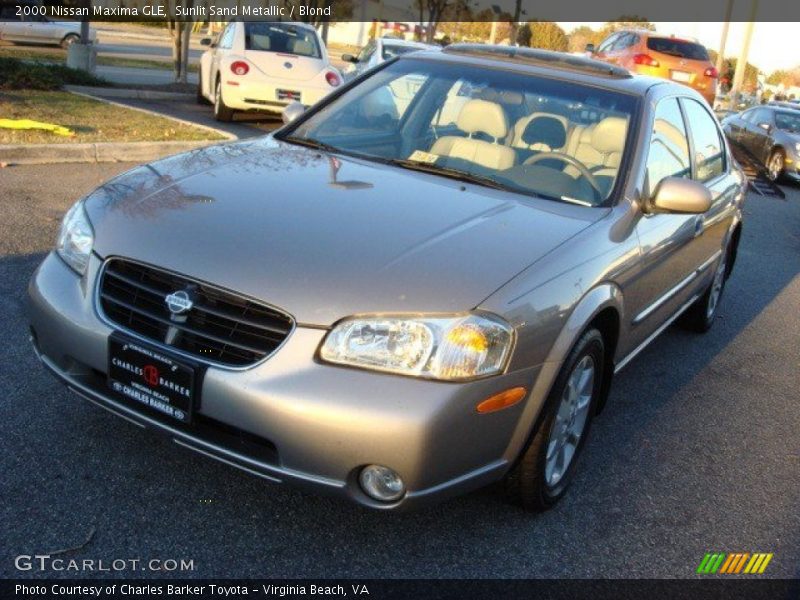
<point>450,348</point>
<point>76,238</point>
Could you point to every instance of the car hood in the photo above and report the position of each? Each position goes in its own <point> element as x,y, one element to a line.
<point>324,237</point>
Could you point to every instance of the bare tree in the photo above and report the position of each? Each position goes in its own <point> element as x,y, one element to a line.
<point>181,32</point>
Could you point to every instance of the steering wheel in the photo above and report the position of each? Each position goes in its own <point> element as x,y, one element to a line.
<point>570,160</point>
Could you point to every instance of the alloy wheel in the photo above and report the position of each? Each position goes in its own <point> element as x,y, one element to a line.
<point>716,287</point>
<point>570,421</point>
<point>775,166</point>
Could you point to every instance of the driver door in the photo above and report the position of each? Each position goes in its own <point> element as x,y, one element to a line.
<point>670,253</point>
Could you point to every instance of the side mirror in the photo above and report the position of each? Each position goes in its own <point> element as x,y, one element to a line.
<point>680,195</point>
<point>590,48</point>
<point>206,42</point>
<point>349,58</point>
<point>292,111</point>
<point>765,126</point>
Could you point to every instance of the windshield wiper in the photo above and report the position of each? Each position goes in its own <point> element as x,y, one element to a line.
<point>310,143</point>
<point>457,174</point>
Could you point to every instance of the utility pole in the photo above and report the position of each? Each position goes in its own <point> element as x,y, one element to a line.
<point>725,25</point>
<point>741,63</point>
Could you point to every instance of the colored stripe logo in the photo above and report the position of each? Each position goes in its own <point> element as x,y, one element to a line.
<point>734,563</point>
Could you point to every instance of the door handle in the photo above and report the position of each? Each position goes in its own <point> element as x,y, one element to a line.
<point>699,225</point>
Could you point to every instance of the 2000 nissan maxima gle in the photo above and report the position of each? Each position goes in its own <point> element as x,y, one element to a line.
<point>419,286</point>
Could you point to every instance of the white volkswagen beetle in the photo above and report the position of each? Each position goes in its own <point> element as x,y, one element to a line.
<point>264,66</point>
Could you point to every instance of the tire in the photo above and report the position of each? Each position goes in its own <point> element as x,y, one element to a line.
<point>69,39</point>
<point>221,111</point>
<point>775,164</point>
<point>699,317</point>
<point>200,98</point>
<point>535,482</point>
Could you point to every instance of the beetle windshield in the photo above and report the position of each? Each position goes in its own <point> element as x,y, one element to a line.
<point>511,130</point>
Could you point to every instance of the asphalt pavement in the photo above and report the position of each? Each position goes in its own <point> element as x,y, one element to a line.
<point>697,451</point>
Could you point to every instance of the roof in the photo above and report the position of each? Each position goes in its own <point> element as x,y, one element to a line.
<point>397,42</point>
<point>546,63</point>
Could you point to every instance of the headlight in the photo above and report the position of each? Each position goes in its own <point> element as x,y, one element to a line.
<point>76,238</point>
<point>451,348</point>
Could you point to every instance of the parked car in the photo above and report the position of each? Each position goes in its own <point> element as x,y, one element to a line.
<point>770,133</point>
<point>264,66</point>
<point>392,309</point>
<point>785,104</point>
<point>38,29</point>
<point>648,53</point>
<point>379,51</point>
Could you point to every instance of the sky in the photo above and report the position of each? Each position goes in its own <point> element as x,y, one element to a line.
<point>773,45</point>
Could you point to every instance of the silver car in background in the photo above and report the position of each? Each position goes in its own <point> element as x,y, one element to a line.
<point>378,51</point>
<point>771,133</point>
<point>396,307</point>
<point>34,29</point>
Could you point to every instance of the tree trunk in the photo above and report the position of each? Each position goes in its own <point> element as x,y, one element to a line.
<point>187,36</point>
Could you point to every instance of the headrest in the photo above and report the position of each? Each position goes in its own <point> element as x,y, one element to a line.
<point>300,46</point>
<point>502,97</point>
<point>483,116</point>
<point>545,130</point>
<point>609,135</point>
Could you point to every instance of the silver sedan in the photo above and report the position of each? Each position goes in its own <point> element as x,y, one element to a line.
<point>419,286</point>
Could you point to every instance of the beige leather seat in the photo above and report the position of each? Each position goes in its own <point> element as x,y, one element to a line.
<point>598,146</point>
<point>479,116</point>
<point>518,133</point>
<point>302,47</point>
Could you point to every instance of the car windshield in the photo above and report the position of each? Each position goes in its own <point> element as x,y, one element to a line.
<point>679,48</point>
<point>788,121</point>
<point>281,37</point>
<point>529,134</point>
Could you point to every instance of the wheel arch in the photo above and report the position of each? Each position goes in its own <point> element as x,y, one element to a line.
<point>601,307</point>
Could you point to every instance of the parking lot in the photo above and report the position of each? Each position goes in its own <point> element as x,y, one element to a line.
<point>697,451</point>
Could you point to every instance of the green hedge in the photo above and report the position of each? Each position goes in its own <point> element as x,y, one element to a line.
<point>16,74</point>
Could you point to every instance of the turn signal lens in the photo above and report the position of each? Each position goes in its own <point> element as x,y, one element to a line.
<point>645,59</point>
<point>333,79</point>
<point>240,67</point>
<point>502,400</point>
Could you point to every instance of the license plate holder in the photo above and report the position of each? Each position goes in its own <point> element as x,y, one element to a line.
<point>289,95</point>
<point>152,377</point>
<point>681,76</point>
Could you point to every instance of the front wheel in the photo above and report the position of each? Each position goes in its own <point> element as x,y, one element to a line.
<point>544,471</point>
<point>775,165</point>
<point>69,40</point>
<point>221,111</point>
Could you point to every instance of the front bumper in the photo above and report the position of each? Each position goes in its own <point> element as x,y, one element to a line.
<point>292,419</point>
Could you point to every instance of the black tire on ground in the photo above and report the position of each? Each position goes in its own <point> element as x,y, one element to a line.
<point>69,39</point>
<point>221,111</point>
<point>699,317</point>
<point>526,484</point>
<point>200,98</point>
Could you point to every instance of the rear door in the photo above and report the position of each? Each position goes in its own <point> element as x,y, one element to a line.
<point>12,27</point>
<point>283,50</point>
<point>762,128</point>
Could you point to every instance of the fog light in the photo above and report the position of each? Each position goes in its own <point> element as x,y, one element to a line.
<point>381,483</point>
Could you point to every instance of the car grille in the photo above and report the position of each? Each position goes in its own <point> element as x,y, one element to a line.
<point>221,327</point>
